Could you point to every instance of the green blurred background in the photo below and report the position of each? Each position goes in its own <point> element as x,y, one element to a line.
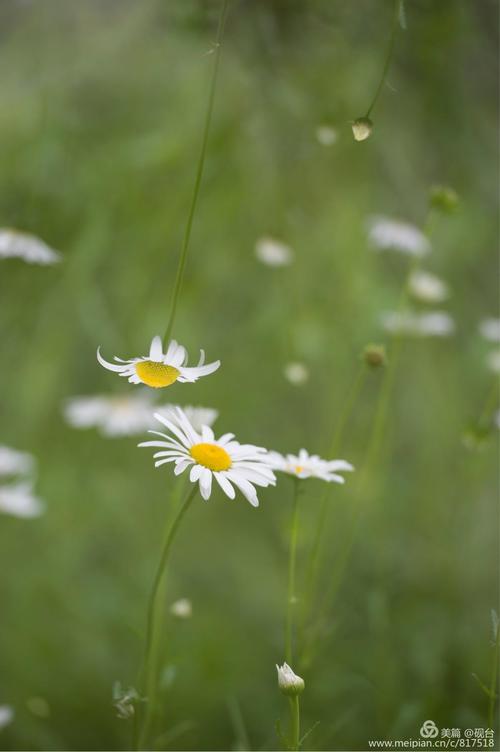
<point>101,118</point>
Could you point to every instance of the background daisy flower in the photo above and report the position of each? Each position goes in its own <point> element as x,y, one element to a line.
<point>125,414</point>
<point>305,465</point>
<point>226,460</point>
<point>13,462</point>
<point>19,501</point>
<point>391,234</point>
<point>15,244</point>
<point>159,369</point>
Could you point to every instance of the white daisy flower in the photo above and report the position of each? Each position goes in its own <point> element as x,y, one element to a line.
<point>182,608</point>
<point>490,329</point>
<point>6,715</point>
<point>13,462</point>
<point>15,244</point>
<point>159,369</point>
<point>197,416</point>
<point>273,252</point>
<point>226,460</point>
<point>18,500</point>
<point>326,135</point>
<point>493,361</point>
<point>306,465</point>
<point>296,373</point>
<point>390,234</point>
<point>432,324</point>
<point>427,287</point>
<point>113,415</point>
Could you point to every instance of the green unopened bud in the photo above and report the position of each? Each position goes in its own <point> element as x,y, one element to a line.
<point>362,128</point>
<point>443,199</point>
<point>375,356</point>
<point>289,683</point>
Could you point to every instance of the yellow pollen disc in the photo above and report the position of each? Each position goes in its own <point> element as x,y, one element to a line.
<point>212,456</point>
<point>298,469</point>
<point>156,374</point>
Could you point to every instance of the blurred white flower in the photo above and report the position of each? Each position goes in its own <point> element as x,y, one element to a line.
<point>490,329</point>
<point>18,500</point>
<point>114,415</point>
<point>305,465</point>
<point>15,244</point>
<point>6,715</point>
<point>13,462</point>
<point>224,459</point>
<point>493,361</point>
<point>197,416</point>
<point>273,252</point>
<point>289,683</point>
<point>427,287</point>
<point>433,324</point>
<point>391,234</point>
<point>326,135</point>
<point>182,608</point>
<point>296,373</point>
<point>160,369</point>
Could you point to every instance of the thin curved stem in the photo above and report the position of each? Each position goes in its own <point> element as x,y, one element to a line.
<point>349,404</point>
<point>154,608</point>
<point>388,57</point>
<point>199,173</point>
<point>291,598</point>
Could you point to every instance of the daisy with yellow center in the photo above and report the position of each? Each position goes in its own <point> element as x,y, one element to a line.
<point>226,460</point>
<point>306,465</point>
<point>160,369</point>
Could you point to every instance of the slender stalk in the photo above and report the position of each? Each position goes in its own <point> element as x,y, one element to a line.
<point>153,616</point>
<point>494,681</point>
<point>349,404</point>
<point>388,57</point>
<point>291,599</point>
<point>295,723</point>
<point>199,172</point>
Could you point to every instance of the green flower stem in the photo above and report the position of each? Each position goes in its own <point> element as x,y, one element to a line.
<point>349,404</point>
<point>494,681</point>
<point>291,598</point>
<point>199,173</point>
<point>388,57</point>
<point>150,669</point>
<point>294,723</point>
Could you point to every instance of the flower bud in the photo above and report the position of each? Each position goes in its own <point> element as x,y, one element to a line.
<point>362,128</point>
<point>375,356</point>
<point>443,199</point>
<point>289,683</point>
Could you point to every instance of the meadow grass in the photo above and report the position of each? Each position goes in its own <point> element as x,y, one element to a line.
<point>103,107</point>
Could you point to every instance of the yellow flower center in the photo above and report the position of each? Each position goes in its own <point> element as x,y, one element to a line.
<point>298,469</point>
<point>156,374</point>
<point>212,456</point>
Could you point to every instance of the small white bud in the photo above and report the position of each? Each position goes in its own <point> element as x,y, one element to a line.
<point>289,683</point>
<point>182,609</point>
<point>362,128</point>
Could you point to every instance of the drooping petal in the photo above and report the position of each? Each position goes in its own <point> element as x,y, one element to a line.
<point>225,484</point>
<point>107,364</point>
<point>205,483</point>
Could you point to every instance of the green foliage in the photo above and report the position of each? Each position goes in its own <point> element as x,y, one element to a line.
<point>102,110</point>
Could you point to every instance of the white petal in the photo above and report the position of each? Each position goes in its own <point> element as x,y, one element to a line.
<point>195,473</point>
<point>225,485</point>
<point>245,487</point>
<point>109,366</point>
<point>205,483</point>
<point>156,350</point>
